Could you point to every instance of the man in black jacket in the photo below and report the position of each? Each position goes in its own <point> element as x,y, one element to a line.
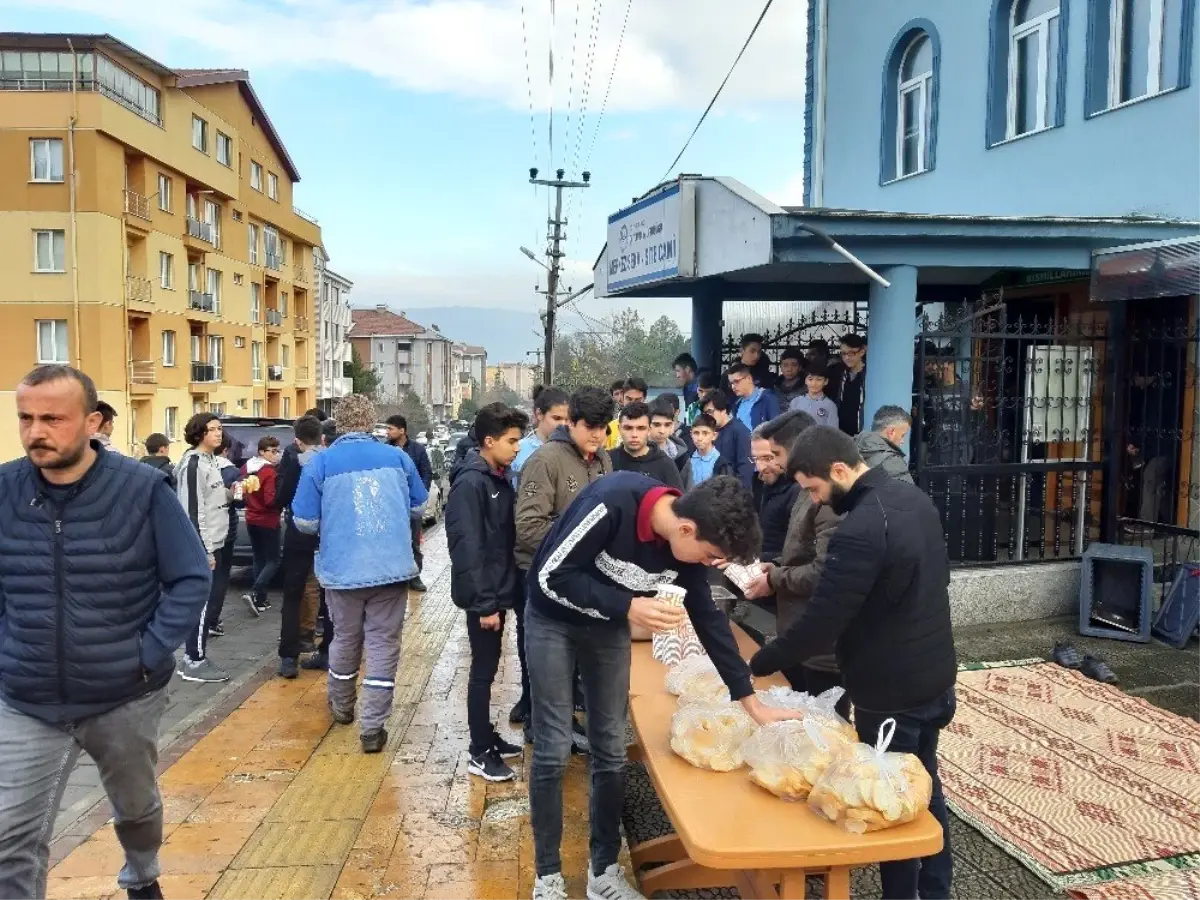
<point>102,577</point>
<point>774,492</point>
<point>637,453</point>
<point>883,597</point>
<point>397,436</point>
<point>299,549</point>
<point>482,534</point>
<point>158,456</point>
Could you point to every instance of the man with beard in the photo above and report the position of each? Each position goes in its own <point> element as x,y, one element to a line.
<point>98,563</point>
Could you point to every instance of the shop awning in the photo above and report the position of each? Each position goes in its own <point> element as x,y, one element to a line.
<point>1144,271</point>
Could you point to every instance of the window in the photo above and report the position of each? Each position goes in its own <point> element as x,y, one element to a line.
<point>196,343</point>
<point>224,149</point>
<point>121,85</point>
<point>1137,49</point>
<point>287,407</point>
<point>50,251</point>
<point>45,71</point>
<point>171,422</point>
<point>256,173</point>
<point>252,234</point>
<point>285,353</point>
<point>199,134</point>
<point>272,185</point>
<point>256,368</point>
<point>166,271</point>
<point>52,341</point>
<point>283,300</point>
<point>212,215</point>
<point>255,302</point>
<point>168,348</point>
<point>258,408</point>
<point>216,355</point>
<point>164,193</point>
<point>214,288</point>
<point>237,277</point>
<point>912,116</point>
<point>46,159</point>
<point>1033,67</point>
<point>194,276</point>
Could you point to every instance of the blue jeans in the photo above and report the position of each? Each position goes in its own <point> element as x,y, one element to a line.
<point>264,543</point>
<point>601,650</point>
<point>917,732</point>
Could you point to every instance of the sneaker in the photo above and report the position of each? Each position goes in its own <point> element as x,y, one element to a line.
<point>216,630</point>
<point>1098,670</point>
<point>490,767</point>
<point>288,667</point>
<point>506,749</point>
<point>251,605</point>
<point>611,885</point>
<point>150,891</point>
<point>550,887</point>
<point>203,672</point>
<point>262,606</point>
<point>318,662</point>
<point>1067,656</point>
<point>580,745</point>
<point>373,741</point>
<point>417,585</point>
<point>519,714</point>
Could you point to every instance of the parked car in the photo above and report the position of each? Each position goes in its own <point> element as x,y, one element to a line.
<point>439,490</point>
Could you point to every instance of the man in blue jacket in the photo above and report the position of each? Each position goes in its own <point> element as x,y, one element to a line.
<point>102,577</point>
<point>752,405</point>
<point>354,495</point>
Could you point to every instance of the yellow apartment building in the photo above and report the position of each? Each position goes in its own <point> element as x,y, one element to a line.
<point>147,236</point>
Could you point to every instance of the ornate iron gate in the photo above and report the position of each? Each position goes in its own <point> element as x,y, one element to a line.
<point>828,324</point>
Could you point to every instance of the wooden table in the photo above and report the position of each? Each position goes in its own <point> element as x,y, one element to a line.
<point>731,833</point>
<point>646,674</point>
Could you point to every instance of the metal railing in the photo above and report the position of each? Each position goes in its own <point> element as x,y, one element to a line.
<point>1173,547</point>
<point>275,373</point>
<point>299,273</point>
<point>201,301</point>
<point>200,230</point>
<point>274,261</point>
<point>137,205</point>
<point>274,317</point>
<point>138,289</point>
<point>143,371</point>
<point>301,323</point>
<point>204,373</point>
<point>86,83</point>
<point>305,216</point>
<point>302,374</point>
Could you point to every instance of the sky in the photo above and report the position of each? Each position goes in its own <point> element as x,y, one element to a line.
<point>414,122</point>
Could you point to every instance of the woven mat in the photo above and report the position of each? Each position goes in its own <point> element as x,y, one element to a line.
<point>1083,783</point>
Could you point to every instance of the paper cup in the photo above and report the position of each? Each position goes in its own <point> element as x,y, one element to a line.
<point>671,593</point>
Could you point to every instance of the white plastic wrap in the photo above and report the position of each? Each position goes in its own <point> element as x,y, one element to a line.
<point>788,758</point>
<point>711,735</point>
<point>696,680</point>
<point>821,708</point>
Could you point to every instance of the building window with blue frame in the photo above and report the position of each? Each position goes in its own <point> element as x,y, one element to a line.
<point>1027,74</point>
<point>910,89</point>
<point>1137,49</point>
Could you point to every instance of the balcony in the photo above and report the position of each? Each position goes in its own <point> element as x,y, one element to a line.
<point>299,273</point>
<point>201,231</point>
<point>143,377</point>
<point>204,375</point>
<point>305,216</point>
<point>200,301</point>
<point>138,290</point>
<point>301,323</point>
<point>275,373</point>
<point>137,205</point>
<point>303,376</point>
<point>273,261</point>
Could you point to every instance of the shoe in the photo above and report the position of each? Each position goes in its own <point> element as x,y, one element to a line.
<point>519,714</point>
<point>341,717</point>
<point>318,662</point>
<point>202,672</point>
<point>1098,670</point>
<point>262,606</point>
<point>611,885</point>
<point>580,745</point>
<point>1067,656</point>
<point>417,585</point>
<point>373,741</point>
<point>550,887</point>
<point>252,605</point>
<point>577,727</point>
<point>506,749</point>
<point>308,647</point>
<point>288,667</point>
<point>150,891</point>
<point>490,767</point>
<point>216,630</point>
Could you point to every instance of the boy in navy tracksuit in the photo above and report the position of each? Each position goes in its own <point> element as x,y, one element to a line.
<point>484,580</point>
<point>594,575</point>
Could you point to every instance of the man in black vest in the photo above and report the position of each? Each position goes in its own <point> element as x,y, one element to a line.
<point>102,577</point>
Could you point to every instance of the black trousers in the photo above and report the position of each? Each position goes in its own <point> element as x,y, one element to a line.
<point>417,524</point>
<point>818,681</point>
<point>519,611</point>
<point>486,648</point>
<point>298,555</point>
<point>197,642</point>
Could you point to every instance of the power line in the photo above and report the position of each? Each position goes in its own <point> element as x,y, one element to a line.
<point>713,101</point>
<point>608,89</point>
<point>597,9</point>
<point>571,80</point>
<point>553,35</point>
<point>529,88</point>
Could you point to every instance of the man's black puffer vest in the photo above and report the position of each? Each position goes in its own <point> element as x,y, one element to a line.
<point>78,583</point>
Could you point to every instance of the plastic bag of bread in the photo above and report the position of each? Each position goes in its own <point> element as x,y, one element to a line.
<point>869,789</point>
<point>822,708</point>
<point>788,758</point>
<point>710,735</point>
<point>696,680</point>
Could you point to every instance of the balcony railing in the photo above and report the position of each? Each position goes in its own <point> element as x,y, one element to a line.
<point>142,371</point>
<point>305,216</point>
<point>201,230</point>
<point>302,374</point>
<point>138,289</point>
<point>301,323</point>
<point>205,373</point>
<point>137,205</point>
<point>274,317</point>
<point>299,273</point>
<point>201,301</point>
<point>275,373</point>
<point>274,261</point>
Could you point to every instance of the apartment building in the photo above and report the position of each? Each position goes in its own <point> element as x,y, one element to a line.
<point>333,327</point>
<point>471,365</point>
<point>519,377</point>
<point>406,355</point>
<point>147,236</point>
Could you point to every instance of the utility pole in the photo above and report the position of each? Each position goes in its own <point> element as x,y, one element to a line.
<point>555,255</point>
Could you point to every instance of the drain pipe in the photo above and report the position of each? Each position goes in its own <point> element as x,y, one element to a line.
<point>846,254</point>
<point>77,326</point>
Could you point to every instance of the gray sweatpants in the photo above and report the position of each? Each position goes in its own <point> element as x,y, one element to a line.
<point>370,619</point>
<point>35,760</point>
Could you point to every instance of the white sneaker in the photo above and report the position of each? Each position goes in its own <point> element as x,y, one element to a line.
<point>550,887</point>
<point>611,885</point>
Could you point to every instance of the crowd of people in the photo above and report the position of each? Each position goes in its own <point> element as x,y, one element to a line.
<point>568,524</point>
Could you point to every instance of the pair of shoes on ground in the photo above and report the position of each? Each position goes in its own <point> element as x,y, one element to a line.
<point>1093,667</point>
<point>315,662</point>
<point>257,607</point>
<point>490,765</point>
<point>372,741</point>
<point>202,671</point>
<point>610,884</point>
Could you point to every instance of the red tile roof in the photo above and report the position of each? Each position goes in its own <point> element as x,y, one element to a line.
<point>373,323</point>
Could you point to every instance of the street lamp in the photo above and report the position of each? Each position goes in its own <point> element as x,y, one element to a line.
<point>534,257</point>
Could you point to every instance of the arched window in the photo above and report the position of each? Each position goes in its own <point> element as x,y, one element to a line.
<point>910,92</point>
<point>1033,36</point>
<point>1137,49</point>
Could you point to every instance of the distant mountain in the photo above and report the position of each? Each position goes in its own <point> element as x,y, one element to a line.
<point>506,334</point>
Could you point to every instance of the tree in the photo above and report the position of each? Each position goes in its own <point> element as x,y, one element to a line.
<point>500,392</point>
<point>468,409</point>
<point>409,405</point>
<point>364,379</point>
<point>620,346</point>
